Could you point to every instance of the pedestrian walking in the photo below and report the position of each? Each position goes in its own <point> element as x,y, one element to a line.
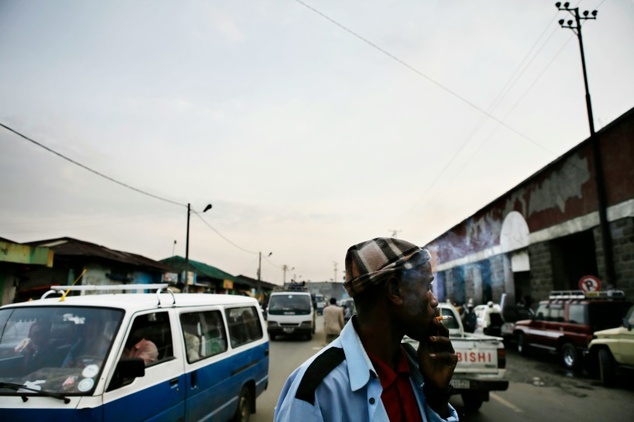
<point>333,320</point>
<point>469,318</point>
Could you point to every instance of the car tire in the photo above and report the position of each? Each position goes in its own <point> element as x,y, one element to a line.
<point>472,401</point>
<point>607,369</point>
<point>244,410</point>
<point>569,356</point>
<point>522,346</point>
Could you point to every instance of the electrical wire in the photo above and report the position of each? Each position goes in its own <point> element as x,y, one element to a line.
<point>266,258</point>
<point>510,83</point>
<point>416,71</point>
<point>111,179</point>
<point>125,185</point>
<point>221,235</point>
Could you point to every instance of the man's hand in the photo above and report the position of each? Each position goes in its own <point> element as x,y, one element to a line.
<point>437,360</point>
<point>437,357</point>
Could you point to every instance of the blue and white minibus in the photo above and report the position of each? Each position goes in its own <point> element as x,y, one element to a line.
<point>132,356</point>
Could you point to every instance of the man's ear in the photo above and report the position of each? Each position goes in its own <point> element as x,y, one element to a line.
<point>393,290</point>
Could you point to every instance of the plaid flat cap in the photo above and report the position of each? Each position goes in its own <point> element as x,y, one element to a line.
<point>370,262</point>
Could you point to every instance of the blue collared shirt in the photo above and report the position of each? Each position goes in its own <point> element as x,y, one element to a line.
<point>350,392</point>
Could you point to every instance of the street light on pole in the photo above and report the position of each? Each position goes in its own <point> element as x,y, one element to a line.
<point>186,287</point>
<point>606,235</point>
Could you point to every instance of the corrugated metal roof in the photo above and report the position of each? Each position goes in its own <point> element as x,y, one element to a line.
<point>66,246</point>
<point>178,263</point>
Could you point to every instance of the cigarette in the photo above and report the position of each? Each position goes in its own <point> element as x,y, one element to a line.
<point>443,317</point>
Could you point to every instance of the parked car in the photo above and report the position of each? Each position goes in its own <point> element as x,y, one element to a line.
<point>565,323</point>
<point>490,319</point>
<point>348,308</point>
<point>320,303</point>
<point>612,350</point>
<point>512,314</point>
<point>481,361</point>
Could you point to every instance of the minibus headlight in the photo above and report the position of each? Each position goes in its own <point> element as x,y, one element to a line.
<point>273,323</point>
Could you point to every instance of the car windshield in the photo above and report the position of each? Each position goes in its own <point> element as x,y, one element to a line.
<point>289,303</point>
<point>54,349</point>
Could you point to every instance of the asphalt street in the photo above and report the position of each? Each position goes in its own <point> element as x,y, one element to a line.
<point>540,390</point>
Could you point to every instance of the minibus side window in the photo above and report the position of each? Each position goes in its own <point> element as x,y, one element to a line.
<point>244,325</point>
<point>150,338</point>
<point>204,334</point>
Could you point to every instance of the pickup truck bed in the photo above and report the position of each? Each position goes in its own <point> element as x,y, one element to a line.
<point>481,362</point>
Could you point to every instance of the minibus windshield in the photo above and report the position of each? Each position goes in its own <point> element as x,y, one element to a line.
<point>290,303</point>
<point>55,349</point>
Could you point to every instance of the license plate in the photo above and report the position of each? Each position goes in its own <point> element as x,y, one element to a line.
<point>461,384</point>
<point>289,330</point>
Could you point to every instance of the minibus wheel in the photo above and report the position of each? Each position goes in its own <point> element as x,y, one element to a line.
<point>244,406</point>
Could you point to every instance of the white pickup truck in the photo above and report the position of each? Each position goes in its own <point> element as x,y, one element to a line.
<point>481,361</point>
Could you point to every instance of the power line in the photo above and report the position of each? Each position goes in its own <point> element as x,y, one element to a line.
<point>221,235</point>
<point>119,183</point>
<point>125,185</point>
<point>418,72</point>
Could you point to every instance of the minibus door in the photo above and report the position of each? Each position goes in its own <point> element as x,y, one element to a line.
<point>159,394</point>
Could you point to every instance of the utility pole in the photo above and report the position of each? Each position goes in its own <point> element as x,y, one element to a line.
<point>185,286</point>
<point>606,235</point>
<point>335,279</point>
<point>260,272</point>
<point>285,268</point>
<point>189,212</point>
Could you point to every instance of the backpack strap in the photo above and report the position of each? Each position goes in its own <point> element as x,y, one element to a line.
<point>317,371</point>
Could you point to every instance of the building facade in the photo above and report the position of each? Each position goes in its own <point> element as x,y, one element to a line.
<point>547,233</point>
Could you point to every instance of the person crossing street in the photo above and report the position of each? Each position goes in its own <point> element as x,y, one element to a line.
<point>333,320</point>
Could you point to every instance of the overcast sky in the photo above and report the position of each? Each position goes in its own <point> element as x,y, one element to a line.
<point>309,125</point>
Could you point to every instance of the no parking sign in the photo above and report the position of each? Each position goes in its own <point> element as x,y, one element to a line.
<point>589,283</point>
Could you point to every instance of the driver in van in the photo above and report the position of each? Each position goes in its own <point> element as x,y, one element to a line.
<point>91,342</point>
<point>33,348</point>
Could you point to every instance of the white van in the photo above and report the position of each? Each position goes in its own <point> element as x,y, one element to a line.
<point>292,313</point>
<point>132,356</point>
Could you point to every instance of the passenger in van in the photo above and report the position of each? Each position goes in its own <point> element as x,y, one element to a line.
<point>138,346</point>
<point>190,322</point>
<point>144,349</point>
<point>390,281</point>
<point>215,338</point>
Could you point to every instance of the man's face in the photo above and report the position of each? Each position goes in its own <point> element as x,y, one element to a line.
<point>419,303</point>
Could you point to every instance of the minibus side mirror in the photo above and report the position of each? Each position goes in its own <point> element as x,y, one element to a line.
<point>130,368</point>
<point>127,369</point>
